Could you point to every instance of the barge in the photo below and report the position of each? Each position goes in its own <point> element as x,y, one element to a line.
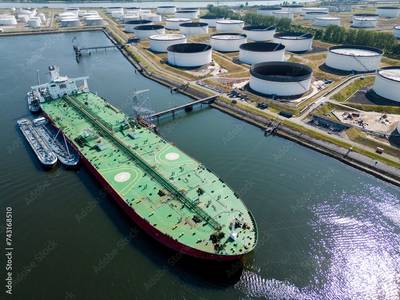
<point>171,196</point>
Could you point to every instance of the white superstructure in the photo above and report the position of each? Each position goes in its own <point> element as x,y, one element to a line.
<point>326,21</point>
<point>227,42</point>
<point>388,11</point>
<point>259,33</point>
<point>161,42</point>
<point>387,83</point>
<point>354,58</point>
<point>364,20</point>
<point>295,41</point>
<point>257,52</point>
<point>189,55</point>
<point>145,31</point>
<point>193,28</point>
<point>229,26</point>
<point>173,23</point>
<point>280,79</point>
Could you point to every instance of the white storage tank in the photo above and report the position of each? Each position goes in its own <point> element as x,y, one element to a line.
<point>166,9</point>
<point>293,8</point>
<point>257,52</point>
<point>364,20</point>
<point>173,23</point>
<point>283,14</point>
<point>259,33</point>
<point>387,83</point>
<point>161,42</point>
<point>152,17</point>
<point>131,17</point>
<point>229,25</point>
<point>190,14</point>
<point>94,21</point>
<point>280,79</point>
<point>354,58</point>
<point>130,25</point>
<point>388,11</point>
<point>326,21</point>
<point>268,10</point>
<point>67,15</point>
<point>193,28</point>
<point>311,15</point>
<point>144,31</point>
<point>396,31</point>
<point>295,41</point>
<point>70,22</point>
<point>34,22</point>
<point>189,55</point>
<point>314,9</point>
<point>227,42</point>
<point>133,10</point>
<point>210,20</point>
<point>8,20</point>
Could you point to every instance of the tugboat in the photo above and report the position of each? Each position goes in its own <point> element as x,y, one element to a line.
<point>33,102</point>
<point>45,155</point>
<point>65,153</point>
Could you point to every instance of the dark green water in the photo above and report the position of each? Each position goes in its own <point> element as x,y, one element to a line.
<point>327,231</point>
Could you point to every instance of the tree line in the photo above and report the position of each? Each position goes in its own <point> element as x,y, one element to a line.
<point>331,34</point>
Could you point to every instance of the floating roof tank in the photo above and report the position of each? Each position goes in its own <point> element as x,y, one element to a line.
<point>190,14</point>
<point>210,20</point>
<point>173,23</point>
<point>161,42</point>
<point>283,14</point>
<point>166,9</point>
<point>295,41</point>
<point>257,52</point>
<point>229,25</point>
<point>259,33</point>
<point>387,83</point>
<point>314,9</point>
<point>193,28</point>
<point>152,17</point>
<point>388,11</point>
<point>189,55</point>
<point>144,31</point>
<point>227,42</point>
<point>364,20</point>
<point>281,79</point>
<point>268,10</point>
<point>311,15</point>
<point>70,22</point>
<point>293,8</point>
<point>94,21</point>
<point>130,25</point>
<point>326,21</point>
<point>354,58</point>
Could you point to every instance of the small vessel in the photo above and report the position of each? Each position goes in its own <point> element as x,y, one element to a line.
<point>33,102</point>
<point>57,143</point>
<point>45,155</point>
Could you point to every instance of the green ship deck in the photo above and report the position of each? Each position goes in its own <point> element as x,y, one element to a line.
<point>173,192</point>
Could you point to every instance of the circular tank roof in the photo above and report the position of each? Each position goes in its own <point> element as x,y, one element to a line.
<point>293,35</point>
<point>166,6</point>
<point>193,24</point>
<point>262,47</point>
<point>138,22</point>
<point>189,48</point>
<point>365,15</point>
<point>228,36</point>
<point>270,8</point>
<point>230,22</point>
<point>392,73</point>
<point>167,37</point>
<point>148,27</point>
<point>388,7</point>
<point>281,71</point>
<point>316,13</point>
<point>327,18</point>
<point>293,5</point>
<point>187,11</point>
<point>210,17</point>
<point>259,28</point>
<point>177,20</point>
<point>355,50</point>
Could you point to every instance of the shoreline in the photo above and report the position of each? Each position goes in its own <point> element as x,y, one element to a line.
<point>356,160</point>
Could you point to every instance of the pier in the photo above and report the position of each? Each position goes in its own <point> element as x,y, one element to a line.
<point>79,51</point>
<point>186,107</point>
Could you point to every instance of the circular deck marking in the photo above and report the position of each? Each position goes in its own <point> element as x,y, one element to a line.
<point>171,156</point>
<point>122,177</point>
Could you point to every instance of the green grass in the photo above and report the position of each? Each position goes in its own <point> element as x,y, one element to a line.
<point>350,89</point>
<point>377,108</point>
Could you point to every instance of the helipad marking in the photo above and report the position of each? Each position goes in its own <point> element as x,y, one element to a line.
<point>171,156</point>
<point>122,177</point>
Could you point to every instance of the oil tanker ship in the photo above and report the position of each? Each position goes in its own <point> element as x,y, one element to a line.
<point>171,196</point>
